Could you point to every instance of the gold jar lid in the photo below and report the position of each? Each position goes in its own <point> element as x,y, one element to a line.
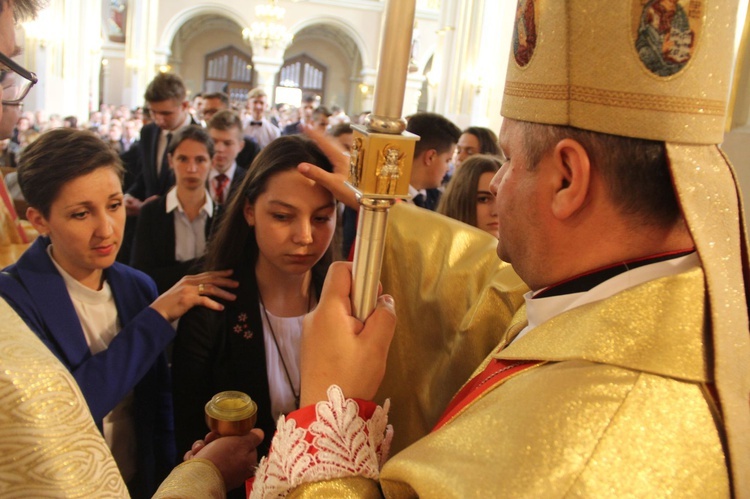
<point>231,413</point>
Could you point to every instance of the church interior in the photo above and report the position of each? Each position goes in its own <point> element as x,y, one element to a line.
<point>459,55</point>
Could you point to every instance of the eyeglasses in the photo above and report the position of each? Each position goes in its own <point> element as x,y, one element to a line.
<point>15,80</point>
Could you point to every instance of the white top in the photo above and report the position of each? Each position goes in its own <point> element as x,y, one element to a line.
<point>263,134</point>
<point>540,310</point>
<point>288,332</point>
<point>97,312</point>
<point>189,237</point>
<point>414,192</point>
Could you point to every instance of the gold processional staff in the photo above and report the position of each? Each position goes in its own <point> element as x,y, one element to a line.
<point>381,158</point>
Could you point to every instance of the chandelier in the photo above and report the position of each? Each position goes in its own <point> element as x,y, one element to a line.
<point>268,30</point>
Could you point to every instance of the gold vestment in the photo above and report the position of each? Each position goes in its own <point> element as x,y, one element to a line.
<point>620,406</point>
<point>49,444</point>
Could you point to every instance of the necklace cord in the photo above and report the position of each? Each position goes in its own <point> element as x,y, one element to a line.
<point>276,342</point>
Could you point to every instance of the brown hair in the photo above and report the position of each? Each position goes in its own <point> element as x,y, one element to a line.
<point>435,132</point>
<point>459,200</point>
<point>196,134</point>
<point>225,120</point>
<point>223,97</point>
<point>56,158</point>
<point>23,9</point>
<point>487,139</point>
<point>165,86</point>
<point>234,240</point>
<point>635,171</point>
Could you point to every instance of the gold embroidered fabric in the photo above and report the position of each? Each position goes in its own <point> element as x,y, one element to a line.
<point>657,70</point>
<point>49,444</point>
<point>196,479</point>
<point>584,426</point>
<point>587,71</point>
<point>623,333</point>
<point>344,488</point>
<point>454,298</point>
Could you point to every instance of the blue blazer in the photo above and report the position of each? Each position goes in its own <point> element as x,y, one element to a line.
<point>133,361</point>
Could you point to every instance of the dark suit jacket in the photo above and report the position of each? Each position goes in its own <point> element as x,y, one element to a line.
<point>154,245</point>
<point>134,360</point>
<point>248,153</point>
<point>239,176</point>
<point>132,167</point>
<point>147,183</point>
<point>292,128</point>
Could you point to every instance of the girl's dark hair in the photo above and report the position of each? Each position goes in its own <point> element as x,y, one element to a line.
<point>196,134</point>
<point>57,157</point>
<point>488,143</point>
<point>459,200</point>
<point>234,241</point>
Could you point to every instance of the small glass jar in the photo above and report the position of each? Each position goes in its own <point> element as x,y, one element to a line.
<point>231,413</point>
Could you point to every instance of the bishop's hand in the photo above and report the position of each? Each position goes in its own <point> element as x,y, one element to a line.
<point>338,349</point>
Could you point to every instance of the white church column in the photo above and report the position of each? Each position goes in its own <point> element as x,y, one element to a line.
<point>471,60</point>
<point>267,67</point>
<point>366,88</point>
<point>42,54</point>
<point>140,40</point>
<point>413,92</point>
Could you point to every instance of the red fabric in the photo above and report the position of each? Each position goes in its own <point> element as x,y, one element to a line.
<point>12,210</point>
<point>495,373</point>
<point>221,182</point>
<point>305,416</point>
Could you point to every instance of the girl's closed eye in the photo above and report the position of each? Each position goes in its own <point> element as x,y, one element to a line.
<point>282,217</point>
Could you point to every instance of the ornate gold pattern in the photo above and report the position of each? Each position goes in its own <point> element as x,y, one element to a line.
<point>635,100</point>
<point>49,445</point>
<point>537,90</point>
<point>195,478</point>
<point>567,423</point>
<point>389,169</point>
<point>631,100</point>
<point>588,44</point>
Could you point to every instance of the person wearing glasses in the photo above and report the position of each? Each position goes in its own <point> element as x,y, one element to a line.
<point>16,82</point>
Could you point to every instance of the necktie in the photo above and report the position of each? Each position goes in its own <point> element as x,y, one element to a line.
<point>164,162</point>
<point>221,182</point>
<point>256,123</point>
<point>419,200</point>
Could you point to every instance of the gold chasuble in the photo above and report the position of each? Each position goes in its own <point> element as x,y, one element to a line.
<point>620,409</point>
<point>453,298</point>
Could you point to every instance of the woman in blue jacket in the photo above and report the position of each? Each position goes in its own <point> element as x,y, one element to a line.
<point>102,319</point>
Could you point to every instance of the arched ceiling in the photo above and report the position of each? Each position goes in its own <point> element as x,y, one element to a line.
<point>199,24</point>
<point>331,34</point>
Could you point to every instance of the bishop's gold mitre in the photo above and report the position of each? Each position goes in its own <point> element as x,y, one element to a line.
<point>658,70</point>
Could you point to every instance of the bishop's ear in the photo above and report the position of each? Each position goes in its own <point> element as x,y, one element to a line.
<point>571,177</point>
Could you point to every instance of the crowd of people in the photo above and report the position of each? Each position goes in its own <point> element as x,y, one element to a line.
<point>606,351</point>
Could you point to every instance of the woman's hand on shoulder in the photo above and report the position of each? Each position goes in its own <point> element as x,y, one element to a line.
<point>194,290</point>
